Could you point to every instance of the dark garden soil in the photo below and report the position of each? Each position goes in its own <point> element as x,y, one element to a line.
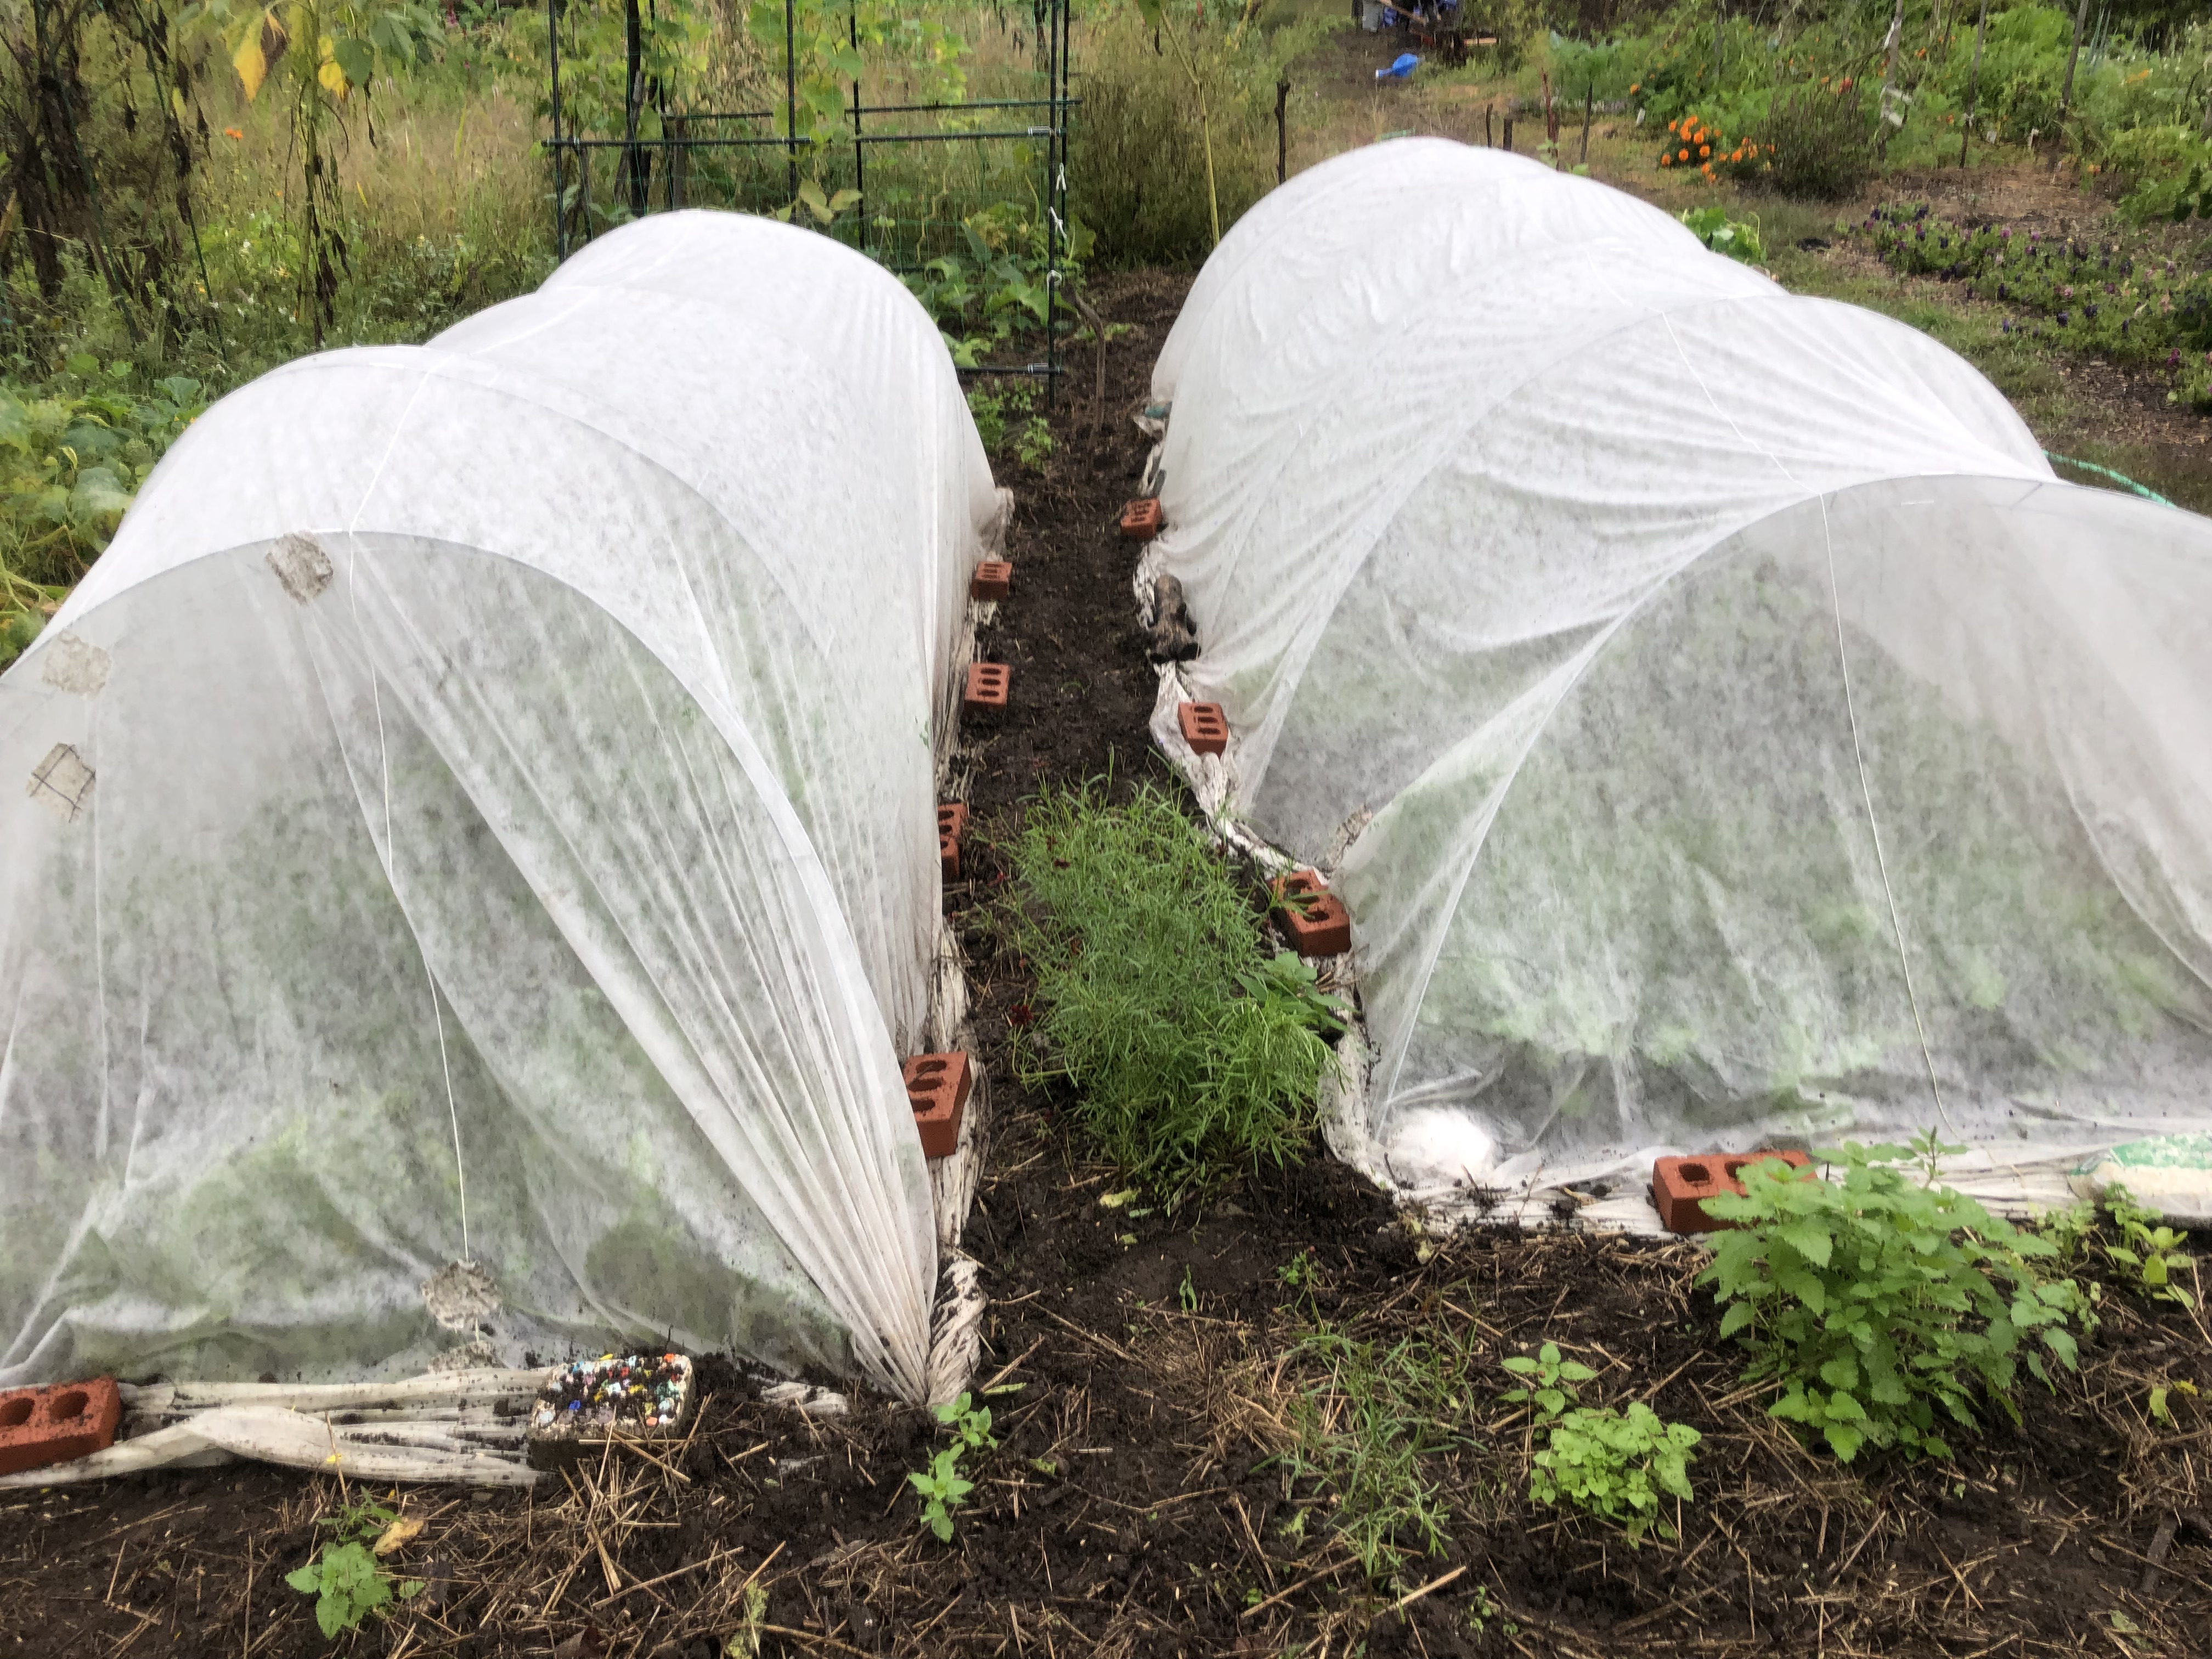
<point>1143,1499</point>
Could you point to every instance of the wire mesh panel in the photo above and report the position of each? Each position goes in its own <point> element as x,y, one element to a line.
<point>942,157</point>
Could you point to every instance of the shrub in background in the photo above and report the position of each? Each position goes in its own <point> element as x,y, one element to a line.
<point>1137,152</point>
<point>1816,144</point>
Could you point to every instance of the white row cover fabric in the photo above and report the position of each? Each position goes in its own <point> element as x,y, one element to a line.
<point>481,810</point>
<point>1709,692</point>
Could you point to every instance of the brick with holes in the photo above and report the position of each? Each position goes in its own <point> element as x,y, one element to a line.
<point>38,1426</point>
<point>1679,1187</point>
<point>1141,519</point>
<point>937,1085</point>
<point>1204,727</point>
<point>1314,918</point>
<point>993,579</point>
<point>989,683</point>
<point>951,825</point>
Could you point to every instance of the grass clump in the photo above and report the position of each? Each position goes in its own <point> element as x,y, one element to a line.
<point>1883,1306</point>
<point>1141,939</point>
<point>1817,147</point>
<point>1371,1430</point>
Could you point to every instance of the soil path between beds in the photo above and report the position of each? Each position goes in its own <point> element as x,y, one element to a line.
<point>1147,1496</point>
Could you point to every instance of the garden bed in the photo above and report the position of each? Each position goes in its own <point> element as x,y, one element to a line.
<point>1204,1420</point>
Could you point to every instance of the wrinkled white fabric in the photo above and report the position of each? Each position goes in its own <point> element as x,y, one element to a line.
<point>514,772</point>
<point>1510,515</point>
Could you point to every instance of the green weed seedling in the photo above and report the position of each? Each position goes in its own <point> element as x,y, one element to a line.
<point>1289,985</point>
<point>943,1487</point>
<point>2151,1255</point>
<point>944,1491</point>
<point>970,1422</point>
<point>2162,1398</point>
<point>1551,1383</point>
<point>345,1579</point>
<point>1615,1466</point>
<point>1885,1310</point>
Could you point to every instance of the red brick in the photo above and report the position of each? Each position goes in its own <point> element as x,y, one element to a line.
<point>1679,1187</point>
<point>1205,727</point>
<point>1318,924</point>
<point>38,1426</point>
<point>937,1085</point>
<point>1141,519</point>
<point>988,685</point>
<point>951,825</point>
<point>993,579</point>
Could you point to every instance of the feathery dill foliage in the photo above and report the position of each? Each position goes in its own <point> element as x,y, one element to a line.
<point>1138,933</point>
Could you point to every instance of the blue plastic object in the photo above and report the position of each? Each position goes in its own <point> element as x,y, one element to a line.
<point>1399,70</point>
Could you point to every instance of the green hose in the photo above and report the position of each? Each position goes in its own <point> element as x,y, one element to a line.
<point>2120,478</point>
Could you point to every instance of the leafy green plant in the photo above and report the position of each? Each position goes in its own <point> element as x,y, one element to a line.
<point>943,1487</point>
<point>1617,1466</point>
<point>320,54</point>
<point>1881,1306</point>
<point>72,455</point>
<point>2152,1254</point>
<point>944,1491</point>
<point>344,1577</point>
<point>1739,239</point>
<point>1138,935</point>
<point>1034,445</point>
<point>1552,1381</point>
<point>1289,984</point>
<point>970,1423</point>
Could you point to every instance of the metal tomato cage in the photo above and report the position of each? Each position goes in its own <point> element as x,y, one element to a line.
<point>687,137</point>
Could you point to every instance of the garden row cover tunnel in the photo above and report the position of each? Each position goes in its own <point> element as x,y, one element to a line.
<point>483,811</point>
<point>1724,730</point>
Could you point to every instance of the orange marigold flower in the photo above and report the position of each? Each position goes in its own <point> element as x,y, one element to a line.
<point>1704,149</point>
<point>231,132</point>
<point>1684,155</point>
<point>1666,161</point>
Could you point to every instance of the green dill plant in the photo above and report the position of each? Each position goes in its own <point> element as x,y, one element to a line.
<point>1142,941</point>
<point>344,1577</point>
<point>1886,1310</point>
